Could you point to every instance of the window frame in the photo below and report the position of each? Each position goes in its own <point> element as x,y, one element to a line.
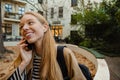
<point>21,10</point>
<point>74,3</point>
<point>8,7</point>
<point>60,12</point>
<point>52,12</point>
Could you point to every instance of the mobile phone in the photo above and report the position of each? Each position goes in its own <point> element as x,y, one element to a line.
<point>29,46</point>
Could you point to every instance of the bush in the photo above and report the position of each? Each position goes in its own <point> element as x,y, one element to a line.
<point>74,38</point>
<point>86,43</point>
<point>67,39</point>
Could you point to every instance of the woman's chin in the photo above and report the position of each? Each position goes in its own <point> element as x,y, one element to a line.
<point>30,41</point>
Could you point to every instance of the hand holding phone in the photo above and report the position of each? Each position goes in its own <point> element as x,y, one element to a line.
<point>29,46</point>
<point>25,53</point>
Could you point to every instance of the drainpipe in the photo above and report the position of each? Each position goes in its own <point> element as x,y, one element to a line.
<point>46,9</point>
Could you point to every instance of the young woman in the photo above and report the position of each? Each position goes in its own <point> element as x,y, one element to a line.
<point>40,62</point>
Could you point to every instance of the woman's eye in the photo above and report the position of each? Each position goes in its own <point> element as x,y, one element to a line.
<point>21,27</point>
<point>30,23</point>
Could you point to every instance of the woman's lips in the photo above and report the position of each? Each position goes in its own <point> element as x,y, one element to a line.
<point>28,35</point>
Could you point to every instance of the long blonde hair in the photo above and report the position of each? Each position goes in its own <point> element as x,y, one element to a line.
<point>50,68</point>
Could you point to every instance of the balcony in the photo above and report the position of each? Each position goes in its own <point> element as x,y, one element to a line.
<point>56,22</point>
<point>20,1</point>
<point>12,16</point>
<point>17,1</point>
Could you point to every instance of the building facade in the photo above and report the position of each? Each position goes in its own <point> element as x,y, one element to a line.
<point>59,16</point>
<point>57,12</point>
<point>11,13</point>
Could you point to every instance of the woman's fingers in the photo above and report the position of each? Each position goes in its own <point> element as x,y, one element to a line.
<point>23,46</point>
<point>21,41</point>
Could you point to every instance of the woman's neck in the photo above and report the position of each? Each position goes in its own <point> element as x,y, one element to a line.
<point>38,47</point>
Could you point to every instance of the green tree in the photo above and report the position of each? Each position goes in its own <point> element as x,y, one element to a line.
<point>103,23</point>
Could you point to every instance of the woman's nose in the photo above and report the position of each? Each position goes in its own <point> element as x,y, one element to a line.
<point>25,27</point>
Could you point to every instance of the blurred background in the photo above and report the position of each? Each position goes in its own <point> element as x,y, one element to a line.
<point>94,24</point>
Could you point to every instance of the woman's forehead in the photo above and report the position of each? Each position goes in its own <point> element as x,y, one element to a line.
<point>27,17</point>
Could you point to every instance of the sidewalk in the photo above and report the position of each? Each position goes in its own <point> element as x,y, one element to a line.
<point>10,43</point>
<point>114,67</point>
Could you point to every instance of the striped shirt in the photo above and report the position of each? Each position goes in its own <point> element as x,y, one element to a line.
<point>35,71</point>
<point>36,68</point>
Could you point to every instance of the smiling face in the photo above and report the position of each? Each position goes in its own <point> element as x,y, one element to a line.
<point>31,28</point>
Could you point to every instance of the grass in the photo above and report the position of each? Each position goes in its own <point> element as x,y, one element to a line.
<point>110,54</point>
<point>101,53</point>
<point>94,52</point>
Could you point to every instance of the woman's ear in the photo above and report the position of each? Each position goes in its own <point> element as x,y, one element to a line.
<point>45,27</point>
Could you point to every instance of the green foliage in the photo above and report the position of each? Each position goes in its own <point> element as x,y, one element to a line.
<point>74,38</point>
<point>67,39</point>
<point>117,16</point>
<point>73,19</point>
<point>91,17</point>
<point>86,43</point>
<point>102,26</point>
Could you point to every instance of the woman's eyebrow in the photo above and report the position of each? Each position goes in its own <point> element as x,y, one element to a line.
<point>26,21</point>
<point>30,19</point>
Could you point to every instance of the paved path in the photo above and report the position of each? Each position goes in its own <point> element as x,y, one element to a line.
<point>114,67</point>
<point>11,43</point>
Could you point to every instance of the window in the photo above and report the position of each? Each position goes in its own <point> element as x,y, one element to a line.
<point>73,3</point>
<point>40,1</point>
<point>8,29</point>
<point>57,30</point>
<point>8,7</point>
<point>60,12</point>
<point>41,12</point>
<point>21,10</point>
<point>52,12</point>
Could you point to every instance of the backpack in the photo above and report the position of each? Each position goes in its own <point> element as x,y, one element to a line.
<point>63,67</point>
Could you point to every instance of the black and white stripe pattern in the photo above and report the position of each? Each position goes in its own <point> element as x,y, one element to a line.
<point>17,76</point>
<point>35,71</point>
<point>36,68</point>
